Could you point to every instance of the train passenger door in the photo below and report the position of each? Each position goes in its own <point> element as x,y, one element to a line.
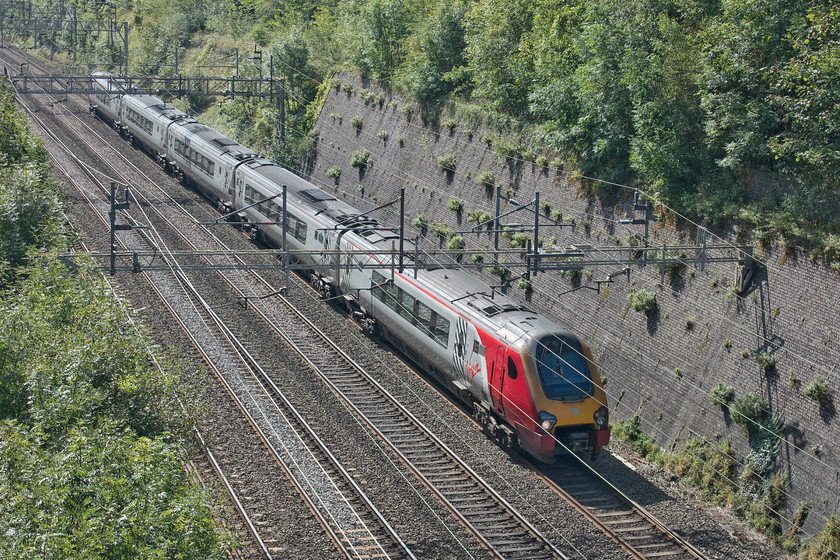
<point>498,372</point>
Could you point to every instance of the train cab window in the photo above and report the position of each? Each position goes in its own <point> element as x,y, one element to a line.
<point>563,371</point>
<point>513,373</point>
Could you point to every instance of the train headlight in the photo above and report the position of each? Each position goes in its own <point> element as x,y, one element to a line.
<point>602,417</point>
<point>547,421</point>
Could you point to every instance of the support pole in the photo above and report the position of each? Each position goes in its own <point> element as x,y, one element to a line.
<point>285,245</point>
<point>112,217</point>
<point>283,113</point>
<point>402,227</point>
<point>535,264</point>
<point>497,225</point>
<point>662,264</point>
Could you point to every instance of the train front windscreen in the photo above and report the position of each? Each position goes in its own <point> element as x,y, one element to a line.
<point>564,373</point>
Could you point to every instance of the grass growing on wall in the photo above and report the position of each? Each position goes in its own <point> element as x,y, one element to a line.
<point>752,491</point>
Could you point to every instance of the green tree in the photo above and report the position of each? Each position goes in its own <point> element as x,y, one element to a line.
<point>807,96</point>
<point>501,70</point>
<point>383,28</point>
<point>435,64</point>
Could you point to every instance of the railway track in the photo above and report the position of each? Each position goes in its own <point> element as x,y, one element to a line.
<point>635,529</point>
<point>346,514</point>
<point>479,508</point>
<point>474,503</point>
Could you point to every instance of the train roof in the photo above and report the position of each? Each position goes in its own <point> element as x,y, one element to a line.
<point>322,202</point>
<point>218,142</point>
<point>488,307</point>
<point>159,108</point>
<point>111,83</point>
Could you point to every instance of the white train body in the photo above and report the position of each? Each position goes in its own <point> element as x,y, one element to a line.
<point>532,383</point>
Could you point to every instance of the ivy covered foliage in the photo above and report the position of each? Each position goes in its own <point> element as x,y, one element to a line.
<point>92,433</point>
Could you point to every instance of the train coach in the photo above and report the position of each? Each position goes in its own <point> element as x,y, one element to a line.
<point>532,384</point>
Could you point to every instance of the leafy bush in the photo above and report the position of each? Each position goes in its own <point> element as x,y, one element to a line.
<point>356,122</point>
<point>709,467</point>
<point>827,544</point>
<point>721,394</point>
<point>420,222</point>
<point>642,443</point>
<point>749,409</point>
<point>501,271</point>
<point>525,284</point>
<point>818,390</point>
<point>643,301</point>
<point>383,135</point>
<point>765,361</point>
<point>440,229</point>
<point>455,204</point>
<point>446,162</point>
<point>30,202</point>
<point>95,432</point>
<point>334,172</point>
<point>450,124</point>
<point>486,180</point>
<point>360,159</point>
<point>456,243</point>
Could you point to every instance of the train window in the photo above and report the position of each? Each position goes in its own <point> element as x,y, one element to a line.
<point>296,228</point>
<point>406,308</point>
<point>249,193</point>
<point>422,317</point>
<point>300,231</point>
<point>378,290</point>
<point>513,373</point>
<point>440,329</point>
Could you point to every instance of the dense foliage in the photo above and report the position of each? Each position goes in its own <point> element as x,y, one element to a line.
<point>728,109</point>
<point>92,434</point>
<point>29,202</point>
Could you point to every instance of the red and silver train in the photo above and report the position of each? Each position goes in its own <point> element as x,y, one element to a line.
<point>531,383</point>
